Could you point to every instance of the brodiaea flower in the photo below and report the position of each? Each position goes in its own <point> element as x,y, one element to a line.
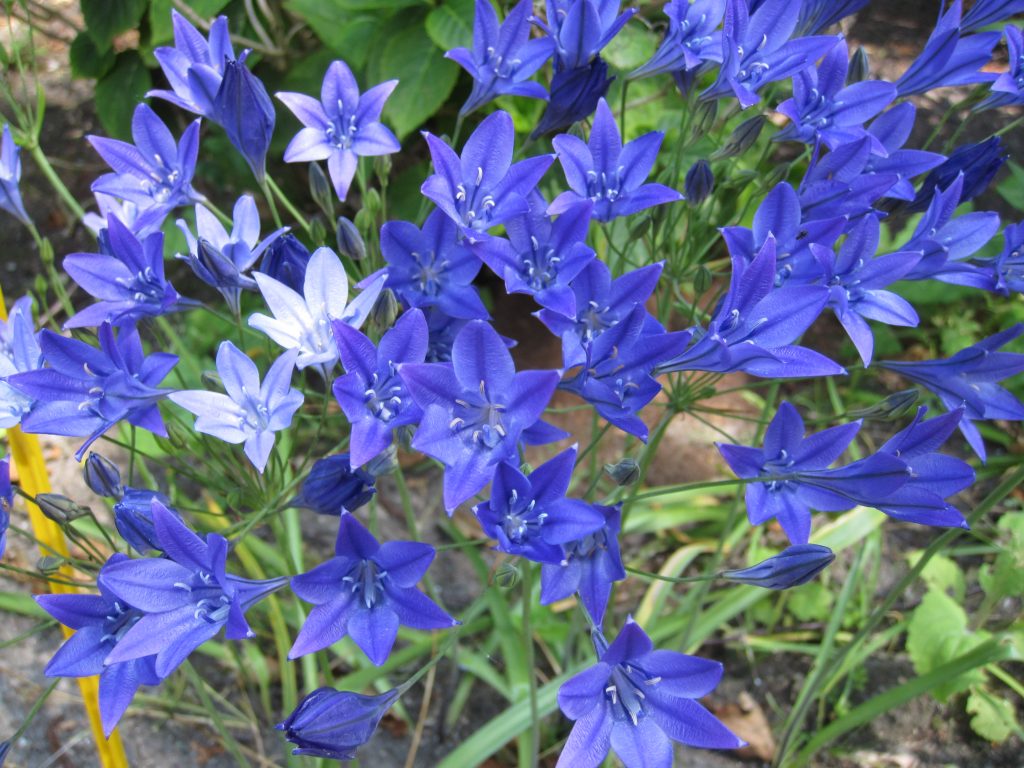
<point>10,176</point>
<point>19,352</point>
<point>194,67</point>
<point>334,724</point>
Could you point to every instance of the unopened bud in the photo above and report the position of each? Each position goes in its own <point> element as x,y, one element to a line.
<point>858,66</point>
<point>102,476</point>
<point>707,113</point>
<point>317,229</point>
<point>320,189</point>
<point>699,183</point>
<point>350,242</point>
<point>385,310</point>
<point>211,380</point>
<point>624,472</point>
<point>50,564</point>
<point>371,201</point>
<point>59,508</point>
<point>382,167</point>
<point>702,280</point>
<point>895,406</point>
<point>792,567</point>
<point>742,138</point>
<point>640,227</point>
<point>507,575</point>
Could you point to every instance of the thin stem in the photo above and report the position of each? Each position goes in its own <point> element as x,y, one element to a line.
<point>299,218</point>
<point>55,181</point>
<point>528,647</point>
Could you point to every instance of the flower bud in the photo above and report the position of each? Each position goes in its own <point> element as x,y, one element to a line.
<point>702,280</point>
<point>858,66</point>
<point>133,517</point>
<point>350,242</point>
<point>706,114</point>
<point>333,487</point>
<point>285,260</point>
<point>334,724</point>
<point>50,563</point>
<point>102,476</point>
<point>699,183</point>
<point>211,380</point>
<point>371,201</point>
<point>792,567</point>
<point>320,189</point>
<point>385,310</point>
<point>894,407</point>
<point>244,109</point>
<point>742,138</point>
<point>59,508</point>
<point>640,228</point>
<point>382,167</point>
<point>507,575</point>
<point>317,229</point>
<point>624,472</point>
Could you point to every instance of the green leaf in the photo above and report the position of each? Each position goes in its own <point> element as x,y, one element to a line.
<point>630,48</point>
<point>450,25</point>
<point>993,718</point>
<point>352,40</point>
<point>811,602</point>
<point>936,633</point>
<point>941,574</point>
<point>105,19</point>
<point>19,602</point>
<point>161,30</point>
<point>119,91</point>
<point>1012,188</point>
<point>87,60</point>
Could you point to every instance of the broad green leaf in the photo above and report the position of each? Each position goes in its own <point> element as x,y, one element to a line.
<point>19,602</point>
<point>810,602</point>
<point>936,633</point>
<point>941,574</point>
<point>450,25</point>
<point>87,60</point>
<point>161,30</point>
<point>119,91</point>
<point>351,40</point>
<point>630,48</point>
<point>105,19</point>
<point>993,718</point>
<point>1012,188</point>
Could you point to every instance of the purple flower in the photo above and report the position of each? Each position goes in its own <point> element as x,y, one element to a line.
<point>366,592</point>
<point>970,379</point>
<point>342,127</point>
<point>250,412</point>
<point>127,278</point>
<point>840,183</point>
<point>244,109</point>
<point>542,255</point>
<point>371,393</point>
<point>816,15</point>
<point>581,28</point>
<point>795,477</point>
<point>19,352</point>
<point>530,516</point>
<point>102,476</point>
<point>483,187</point>
<point>432,267</point>
<point>476,409</point>
<point>6,501</point>
<point>795,565</point>
<point>186,597</point>
<point>303,322</point>
<point>588,567</point>
<point>10,177</point>
<point>133,517</point>
<point>574,96</point>
<point>100,623</point>
<point>221,260</point>
<point>85,391</point>
<point>333,487</point>
<point>691,40</point>
<point>503,56</point>
<point>636,701</point>
<point>194,67</point>
<point>1008,89</point>
<point>891,130</point>
<point>985,12</point>
<point>334,724</point>
<point>610,175</point>
<point>153,172</point>
<point>286,261</point>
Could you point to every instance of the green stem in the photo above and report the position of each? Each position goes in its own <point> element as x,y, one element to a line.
<point>218,722</point>
<point>55,181</point>
<point>528,647</point>
<point>299,218</point>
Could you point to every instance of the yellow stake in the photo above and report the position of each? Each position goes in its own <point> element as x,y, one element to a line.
<point>28,458</point>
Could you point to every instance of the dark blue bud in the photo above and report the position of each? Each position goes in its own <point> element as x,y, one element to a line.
<point>859,68</point>
<point>133,516</point>
<point>5,747</point>
<point>286,260</point>
<point>350,242</point>
<point>895,406</point>
<point>742,138</point>
<point>333,487</point>
<point>700,180</point>
<point>244,109</point>
<point>334,724</point>
<point>792,567</point>
<point>574,96</point>
<point>979,163</point>
<point>102,476</point>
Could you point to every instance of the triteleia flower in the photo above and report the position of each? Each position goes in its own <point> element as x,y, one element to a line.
<point>334,724</point>
<point>1008,89</point>
<point>574,96</point>
<point>186,597</point>
<point>303,322</point>
<point>949,59</point>
<point>483,187</point>
<point>691,40</point>
<point>85,391</point>
<point>19,352</point>
<point>818,15</point>
<point>529,514</point>
<point>194,67</point>
<point>823,108</point>
<point>244,109</point>
<point>976,163</point>
<point>610,175</point>
<point>6,501</point>
<point>250,412</point>
<point>1001,274</point>
<point>10,177</point>
<point>153,172</point>
<point>371,393</point>
<point>970,379</point>
<point>142,220</point>
<point>432,267</point>
<point>128,279</point>
<point>795,475</point>
<point>588,567</point>
<point>581,28</point>
<point>503,57</point>
<point>221,260</point>
<point>839,183</point>
<point>891,130</point>
<point>342,127</point>
<point>636,701</point>
<point>757,49</point>
<point>133,518</point>
<point>985,12</point>
<point>333,487</point>
<point>795,565</point>
<point>102,476</point>
<point>476,409</point>
<point>286,261</point>
<point>542,255</point>
<point>366,591</point>
<point>100,623</point>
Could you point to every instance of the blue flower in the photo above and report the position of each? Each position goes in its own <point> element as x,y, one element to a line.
<point>19,353</point>
<point>100,623</point>
<point>574,96</point>
<point>483,187</point>
<point>970,379</point>
<point>342,127</point>
<point>250,412</point>
<point>141,220</point>
<point>976,163</point>
<point>286,261</point>
<point>476,409</point>
<point>244,109</point>
<point>334,724</point>
<point>503,56</point>
<point>588,567</point>
<point>581,28</point>
<point>85,391</point>
<point>366,591</point>
<point>127,278</point>
<point>221,260</point>
<point>985,12</point>
<point>186,597</point>
<point>102,476</point>
<point>432,267</point>
<point>153,172</point>
<point>610,175</point>
<point>303,322</point>
<point>542,255</point>
<point>529,514</point>
<point>840,183</point>
<point>1008,89</point>
<point>6,501</point>
<point>699,183</point>
<point>333,487</point>
<point>133,518</point>
<point>795,565</point>
<point>10,177</point>
<point>636,701</point>
<point>691,40</point>
<point>371,393</point>
<point>794,475</point>
<point>194,67</point>
<point>891,130</point>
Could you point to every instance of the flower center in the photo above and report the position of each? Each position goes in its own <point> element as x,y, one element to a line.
<point>523,520</point>
<point>366,581</point>
<point>625,692</point>
<point>384,395</point>
<point>479,419</point>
